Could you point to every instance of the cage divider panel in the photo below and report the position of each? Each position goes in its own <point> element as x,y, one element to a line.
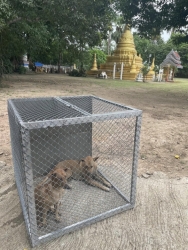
<point>45,131</point>
<point>68,104</point>
<point>52,145</point>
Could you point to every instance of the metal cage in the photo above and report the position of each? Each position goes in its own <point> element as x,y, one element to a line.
<point>46,131</point>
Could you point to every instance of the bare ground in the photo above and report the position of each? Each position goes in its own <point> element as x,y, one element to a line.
<point>160,217</point>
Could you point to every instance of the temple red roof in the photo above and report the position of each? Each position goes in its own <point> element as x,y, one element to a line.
<point>173,58</point>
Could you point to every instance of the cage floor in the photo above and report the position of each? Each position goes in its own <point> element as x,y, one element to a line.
<point>80,203</point>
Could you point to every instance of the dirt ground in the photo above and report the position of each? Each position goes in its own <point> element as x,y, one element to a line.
<point>160,217</point>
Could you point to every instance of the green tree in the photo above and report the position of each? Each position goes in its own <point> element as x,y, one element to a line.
<point>100,56</point>
<point>159,50</point>
<point>145,70</point>
<point>183,52</point>
<point>115,32</point>
<point>48,29</point>
<point>150,17</point>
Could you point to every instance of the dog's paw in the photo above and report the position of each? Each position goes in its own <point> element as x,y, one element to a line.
<point>108,185</point>
<point>107,189</point>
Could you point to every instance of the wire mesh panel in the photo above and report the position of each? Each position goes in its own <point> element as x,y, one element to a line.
<point>75,161</point>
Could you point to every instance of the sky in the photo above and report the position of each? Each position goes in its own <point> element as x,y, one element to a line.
<point>165,35</point>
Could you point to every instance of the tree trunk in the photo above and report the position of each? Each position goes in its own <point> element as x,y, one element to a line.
<point>1,71</point>
<point>109,44</point>
<point>1,68</point>
<point>59,61</point>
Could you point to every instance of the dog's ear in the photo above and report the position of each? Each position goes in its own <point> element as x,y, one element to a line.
<point>96,158</point>
<point>81,161</point>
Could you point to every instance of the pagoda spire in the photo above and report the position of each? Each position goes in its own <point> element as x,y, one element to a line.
<point>94,67</point>
<point>125,53</point>
<point>151,74</point>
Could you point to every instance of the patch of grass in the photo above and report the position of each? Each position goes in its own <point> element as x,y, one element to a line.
<point>179,84</point>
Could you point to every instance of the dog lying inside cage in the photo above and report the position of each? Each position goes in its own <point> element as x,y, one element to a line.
<point>49,192</point>
<point>83,170</point>
<point>48,196</point>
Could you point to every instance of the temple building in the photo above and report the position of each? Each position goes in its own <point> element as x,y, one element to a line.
<point>127,62</point>
<point>169,64</point>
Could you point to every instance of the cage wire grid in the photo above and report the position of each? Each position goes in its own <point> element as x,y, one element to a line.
<point>45,131</point>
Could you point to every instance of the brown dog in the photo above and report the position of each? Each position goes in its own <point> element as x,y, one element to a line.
<point>48,195</point>
<point>85,170</point>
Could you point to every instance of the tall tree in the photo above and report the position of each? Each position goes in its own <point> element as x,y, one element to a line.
<point>152,16</point>
<point>40,26</point>
<point>148,49</point>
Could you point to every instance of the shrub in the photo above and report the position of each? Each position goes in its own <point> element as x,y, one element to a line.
<point>21,70</point>
<point>78,73</point>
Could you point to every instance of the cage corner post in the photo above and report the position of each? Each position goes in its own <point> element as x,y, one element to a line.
<point>25,132</point>
<point>135,159</point>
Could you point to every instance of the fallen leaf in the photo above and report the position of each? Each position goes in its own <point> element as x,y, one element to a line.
<point>177,156</point>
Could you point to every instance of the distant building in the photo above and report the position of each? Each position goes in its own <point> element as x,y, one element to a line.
<point>169,64</point>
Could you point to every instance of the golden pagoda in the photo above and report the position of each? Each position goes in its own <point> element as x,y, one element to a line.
<point>150,75</point>
<point>125,53</point>
<point>94,70</point>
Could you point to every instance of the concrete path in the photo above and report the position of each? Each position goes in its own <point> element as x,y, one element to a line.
<point>158,221</point>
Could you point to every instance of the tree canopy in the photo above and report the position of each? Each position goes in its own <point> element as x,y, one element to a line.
<point>46,29</point>
<point>67,31</point>
<point>152,16</point>
<point>148,50</point>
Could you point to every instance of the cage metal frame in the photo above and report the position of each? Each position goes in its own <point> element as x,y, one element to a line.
<point>29,210</point>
